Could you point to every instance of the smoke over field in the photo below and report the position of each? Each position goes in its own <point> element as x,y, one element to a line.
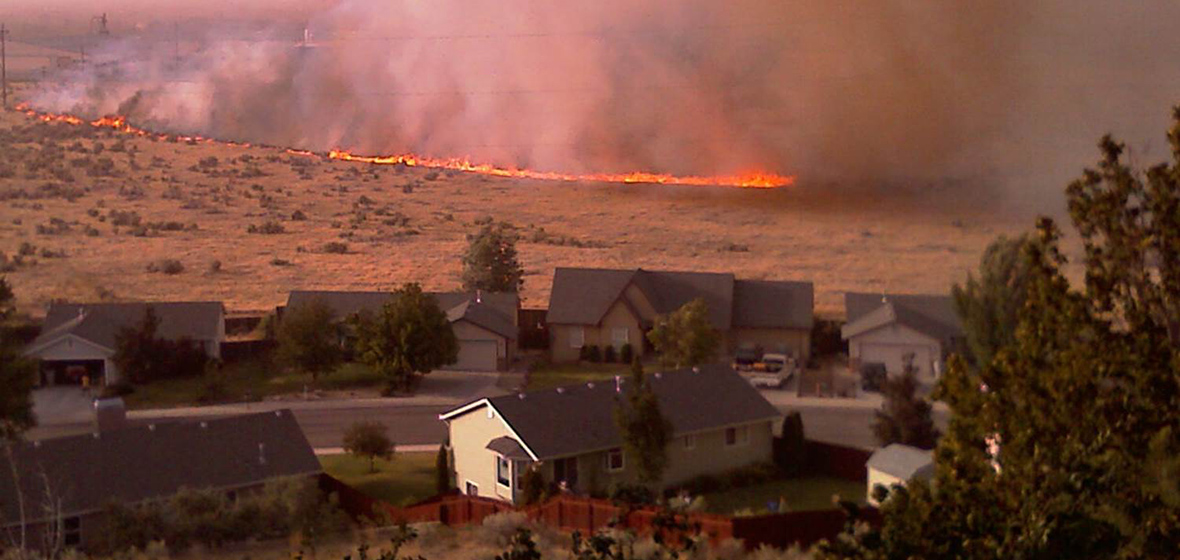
<point>998,97</point>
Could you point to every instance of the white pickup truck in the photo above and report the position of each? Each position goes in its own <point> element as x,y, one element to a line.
<point>771,370</point>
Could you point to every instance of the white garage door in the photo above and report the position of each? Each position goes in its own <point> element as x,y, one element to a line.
<point>476,355</point>
<point>891,355</point>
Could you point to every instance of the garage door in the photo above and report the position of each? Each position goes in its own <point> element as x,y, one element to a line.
<point>476,355</point>
<point>891,355</point>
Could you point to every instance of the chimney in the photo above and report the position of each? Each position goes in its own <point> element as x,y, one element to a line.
<point>618,384</point>
<point>478,295</point>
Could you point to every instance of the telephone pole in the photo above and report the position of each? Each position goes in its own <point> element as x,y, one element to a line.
<point>4,65</point>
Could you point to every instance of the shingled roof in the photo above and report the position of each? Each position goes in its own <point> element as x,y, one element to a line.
<point>494,311</point>
<point>583,296</point>
<point>152,461</point>
<point>932,315</point>
<point>903,461</point>
<point>578,419</point>
<point>100,323</point>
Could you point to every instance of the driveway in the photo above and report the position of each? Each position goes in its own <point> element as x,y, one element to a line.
<point>457,387</point>
<point>62,405</point>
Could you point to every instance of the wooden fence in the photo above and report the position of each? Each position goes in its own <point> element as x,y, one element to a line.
<point>837,460</point>
<point>577,513</point>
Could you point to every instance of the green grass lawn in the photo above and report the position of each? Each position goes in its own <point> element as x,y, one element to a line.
<point>556,375</point>
<point>408,478</point>
<point>247,380</point>
<point>802,494</point>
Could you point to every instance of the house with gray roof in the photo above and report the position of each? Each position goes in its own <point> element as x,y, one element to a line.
<point>78,339</point>
<point>889,329</point>
<point>719,423</point>
<point>130,465</point>
<point>608,307</point>
<point>895,465</point>
<point>484,322</point>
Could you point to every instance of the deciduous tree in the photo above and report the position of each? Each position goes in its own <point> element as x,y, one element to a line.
<point>369,439</point>
<point>685,338</point>
<point>490,262</point>
<point>309,340</point>
<point>410,335</point>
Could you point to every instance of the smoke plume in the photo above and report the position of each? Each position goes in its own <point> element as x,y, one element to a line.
<point>853,93</point>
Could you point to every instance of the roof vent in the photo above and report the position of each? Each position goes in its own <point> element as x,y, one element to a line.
<point>696,369</point>
<point>520,396</point>
<point>560,390</point>
<point>590,385</point>
<point>204,424</point>
<point>278,413</point>
<point>618,384</point>
<point>37,443</point>
<point>95,435</point>
<point>658,375</point>
<point>151,427</point>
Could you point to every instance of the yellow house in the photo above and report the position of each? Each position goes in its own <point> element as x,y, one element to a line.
<point>719,422</point>
<point>607,307</point>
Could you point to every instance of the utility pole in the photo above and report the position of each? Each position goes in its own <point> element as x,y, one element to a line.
<point>4,65</point>
<point>176,43</point>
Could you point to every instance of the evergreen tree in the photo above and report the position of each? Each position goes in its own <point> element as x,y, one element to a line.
<point>410,335</point>
<point>990,303</point>
<point>442,470</point>
<point>904,416</point>
<point>137,353</point>
<point>685,338</point>
<point>491,263</point>
<point>646,433</point>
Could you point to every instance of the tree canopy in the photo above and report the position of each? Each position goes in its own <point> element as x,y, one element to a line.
<point>369,440</point>
<point>1066,444</point>
<point>490,262</point>
<point>410,335</point>
<point>989,304</point>
<point>16,375</point>
<point>646,432</point>
<point>309,340</point>
<point>143,357</point>
<point>904,416</point>
<point>685,338</point>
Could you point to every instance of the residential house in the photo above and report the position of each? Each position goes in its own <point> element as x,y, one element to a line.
<point>895,465</point>
<point>719,422</point>
<point>79,339</point>
<point>888,329</point>
<point>485,323</point>
<point>130,465</point>
<point>605,307</point>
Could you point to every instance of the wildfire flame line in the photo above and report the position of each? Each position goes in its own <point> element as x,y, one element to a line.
<point>749,180</point>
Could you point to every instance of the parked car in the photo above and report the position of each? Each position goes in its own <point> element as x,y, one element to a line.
<point>745,358</point>
<point>771,370</point>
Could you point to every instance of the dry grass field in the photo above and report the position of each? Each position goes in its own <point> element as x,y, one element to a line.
<point>96,211</point>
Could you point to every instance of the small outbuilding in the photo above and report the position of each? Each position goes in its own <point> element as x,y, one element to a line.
<point>895,465</point>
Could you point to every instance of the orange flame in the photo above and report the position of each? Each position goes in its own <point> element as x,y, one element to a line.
<point>751,180</point>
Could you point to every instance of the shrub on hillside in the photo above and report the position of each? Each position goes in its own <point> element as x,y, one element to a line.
<point>166,266</point>
<point>269,227</point>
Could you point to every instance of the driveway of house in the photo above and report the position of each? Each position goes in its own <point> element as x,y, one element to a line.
<point>62,405</point>
<point>458,387</point>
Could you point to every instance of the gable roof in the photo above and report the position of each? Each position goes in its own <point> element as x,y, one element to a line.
<point>153,461</point>
<point>494,311</point>
<point>578,419</point>
<point>903,461</point>
<point>583,296</point>
<point>932,315</point>
<point>773,304</point>
<point>100,323</point>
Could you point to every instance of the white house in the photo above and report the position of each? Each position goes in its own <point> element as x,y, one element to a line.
<point>895,465</point>
<point>888,328</point>
<point>78,339</point>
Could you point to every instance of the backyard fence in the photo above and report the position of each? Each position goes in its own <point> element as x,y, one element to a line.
<point>837,460</point>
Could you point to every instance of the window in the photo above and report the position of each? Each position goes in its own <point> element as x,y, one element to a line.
<point>737,436</point>
<point>72,531</point>
<point>614,460</point>
<point>577,337</point>
<point>472,489</point>
<point>620,336</point>
<point>503,471</point>
<point>566,470</point>
<point>690,442</point>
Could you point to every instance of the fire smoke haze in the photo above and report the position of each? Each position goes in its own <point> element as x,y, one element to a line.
<point>1008,97</point>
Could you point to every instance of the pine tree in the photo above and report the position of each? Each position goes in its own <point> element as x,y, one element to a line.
<point>904,416</point>
<point>646,433</point>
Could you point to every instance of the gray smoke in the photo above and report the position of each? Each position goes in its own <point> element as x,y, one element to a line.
<point>998,97</point>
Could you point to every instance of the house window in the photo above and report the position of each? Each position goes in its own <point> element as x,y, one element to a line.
<point>620,336</point>
<point>690,441</point>
<point>566,470</point>
<point>472,489</point>
<point>614,460</point>
<point>503,471</point>
<point>577,337</point>
<point>72,531</point>
<point>737,436</point>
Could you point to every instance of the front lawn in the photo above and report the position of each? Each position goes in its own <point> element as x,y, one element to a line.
<point>802,494</point>
<point>407,479</point>
<point>245,381</point>
<point>556,375</point>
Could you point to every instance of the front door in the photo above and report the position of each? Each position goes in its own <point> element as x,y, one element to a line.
<point>566,470</point>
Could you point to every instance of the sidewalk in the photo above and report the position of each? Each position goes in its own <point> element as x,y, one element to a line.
<point>424,448</point>
<point>788,399</point>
